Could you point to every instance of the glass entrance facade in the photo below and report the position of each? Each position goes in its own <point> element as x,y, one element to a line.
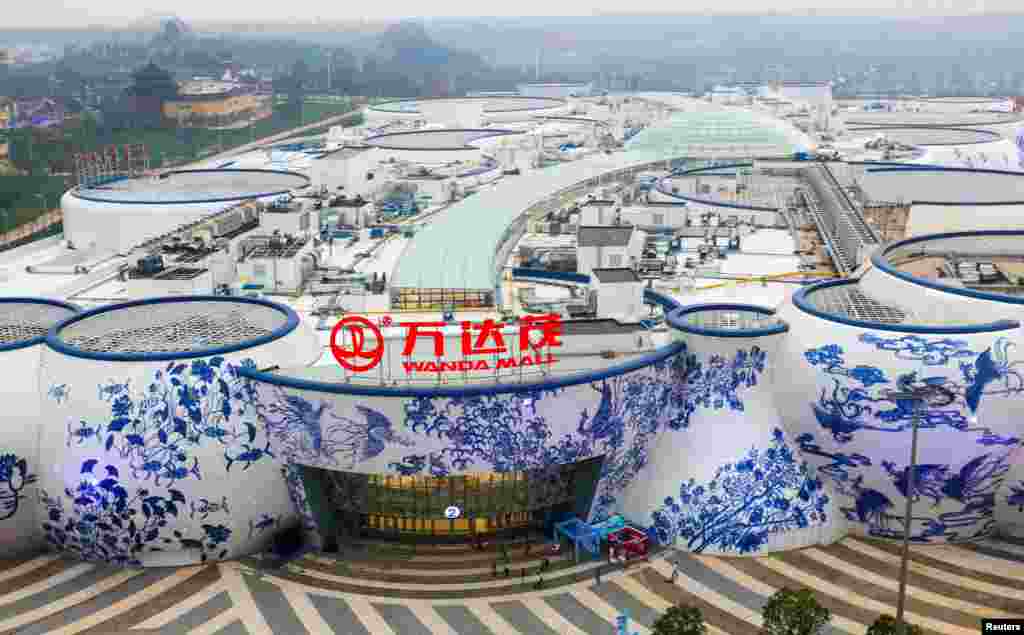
<point>485,502</point>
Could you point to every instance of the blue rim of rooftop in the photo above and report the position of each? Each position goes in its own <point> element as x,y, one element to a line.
<point>661,188</point>
<point>76,192</point>
<point>564,381</point>
<point>884,167</point>
<point>491,133</point>
<point>880,260</point>
<point>413,100</point>
<point>32,341</point>
<point>674,319</point>
<point>802,302</point>
<point>54,341</point>
<point>995,136</point>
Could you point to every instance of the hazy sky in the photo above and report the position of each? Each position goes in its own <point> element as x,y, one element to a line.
<point>83,13</point>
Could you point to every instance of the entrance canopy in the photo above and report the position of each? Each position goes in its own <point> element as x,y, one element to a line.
<point>581,534</point>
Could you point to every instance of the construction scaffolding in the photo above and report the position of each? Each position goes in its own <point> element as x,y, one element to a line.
<point>110,163</point>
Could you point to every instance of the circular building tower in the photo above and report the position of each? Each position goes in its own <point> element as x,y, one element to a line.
<point>861,375</point>
<point>158,455</point>
<point>731,481</point>
<point>23,326</point>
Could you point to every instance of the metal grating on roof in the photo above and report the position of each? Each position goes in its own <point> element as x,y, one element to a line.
<point>730,320</point>
<point>173,327</point>
<point>849,301</point>
<point>604,236</point>
<point>23,321</point>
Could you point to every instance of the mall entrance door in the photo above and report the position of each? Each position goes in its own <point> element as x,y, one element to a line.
<point>455,507</point>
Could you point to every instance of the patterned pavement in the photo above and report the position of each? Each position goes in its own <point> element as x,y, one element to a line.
<point>950,589</point>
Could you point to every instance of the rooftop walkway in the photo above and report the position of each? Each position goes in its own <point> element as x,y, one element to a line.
<point>950,589</point>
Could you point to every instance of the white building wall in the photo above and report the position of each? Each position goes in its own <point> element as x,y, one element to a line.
<point>118,227</point>
<point>622,301</point>
<point>833,370</point>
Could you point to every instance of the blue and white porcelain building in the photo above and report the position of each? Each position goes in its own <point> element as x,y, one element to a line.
<point>180,398</point>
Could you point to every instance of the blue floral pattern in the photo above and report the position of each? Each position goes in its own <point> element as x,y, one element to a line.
<point>106,522</point>
<point>183,406</point>
<point>766,492</point>
<point>715,384</point>
<point>14,477</point>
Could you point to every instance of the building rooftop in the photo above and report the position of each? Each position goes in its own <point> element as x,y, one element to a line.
<point>945,119</point>
<point>478,224</point>
<point>196,186</point>
<point>603,236</point>
<point>449,139</point>
<point>941,185</point>
<point>926,135</point>
<point>614,276</point>
<point>988,264</point>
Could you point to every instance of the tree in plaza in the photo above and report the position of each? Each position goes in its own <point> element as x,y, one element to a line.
<point>680,620</point>
<point>790,612</point>
<point>887,625</point>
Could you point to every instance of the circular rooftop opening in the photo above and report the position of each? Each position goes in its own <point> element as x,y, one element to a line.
<point>25,321</point>
<point>727,320</point>
<point>195,186</point>
<point>172,328</point>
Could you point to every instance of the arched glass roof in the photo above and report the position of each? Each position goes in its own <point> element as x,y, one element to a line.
<point>720,133</point>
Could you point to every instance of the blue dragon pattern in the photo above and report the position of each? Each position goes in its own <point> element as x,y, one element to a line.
<point>863,398</point>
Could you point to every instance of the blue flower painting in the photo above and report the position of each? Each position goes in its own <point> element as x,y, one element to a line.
<point>14,478</point>
<point>106,522</point>
<point>156,427</point>
<point>768,491</point>
<point>716,383</point>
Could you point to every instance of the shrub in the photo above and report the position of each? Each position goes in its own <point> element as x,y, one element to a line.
<point>887,625</point>
<point>680,620</point>
<point>794,613</point>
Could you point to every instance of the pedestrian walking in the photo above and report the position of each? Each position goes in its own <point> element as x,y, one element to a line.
<point>507,572</point>
<point>597,575</point>
<point>540,582</point>
<point>545,564</point>
<point>675,572</point>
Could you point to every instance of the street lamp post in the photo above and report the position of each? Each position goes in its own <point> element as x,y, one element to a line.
<point>918,397</point>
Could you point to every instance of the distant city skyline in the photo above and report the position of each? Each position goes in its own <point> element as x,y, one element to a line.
<point>123,13</point>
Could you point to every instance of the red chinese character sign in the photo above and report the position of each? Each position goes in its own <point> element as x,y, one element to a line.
<point>483,344</point>
<point>357,328</point>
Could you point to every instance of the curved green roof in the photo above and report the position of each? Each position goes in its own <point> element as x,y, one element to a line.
<point>722,133</point>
